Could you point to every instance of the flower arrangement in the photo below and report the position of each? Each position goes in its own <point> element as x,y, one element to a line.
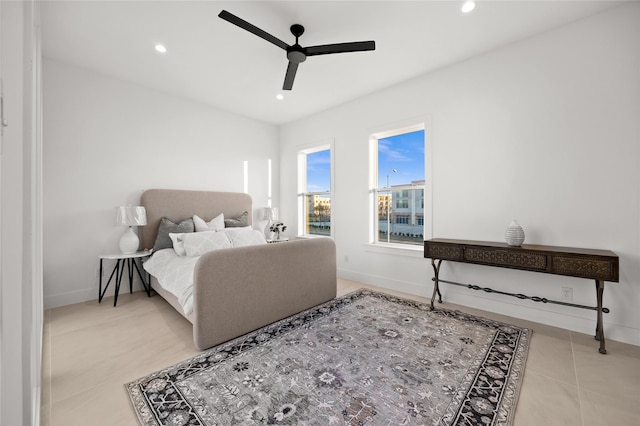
<point>277,228</point>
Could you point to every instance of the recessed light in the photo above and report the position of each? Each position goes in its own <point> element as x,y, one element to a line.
<point>279,96</point>
<point>468,6</point>
<point>160,48</point>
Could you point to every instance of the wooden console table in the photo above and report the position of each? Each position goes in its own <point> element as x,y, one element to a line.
<point>599,265</point>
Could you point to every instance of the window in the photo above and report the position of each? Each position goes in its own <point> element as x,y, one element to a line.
<point>402,204</point>
<point>314,197</point>
<point>398,186</point>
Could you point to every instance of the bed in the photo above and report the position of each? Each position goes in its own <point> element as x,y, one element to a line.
<point>238,290</point>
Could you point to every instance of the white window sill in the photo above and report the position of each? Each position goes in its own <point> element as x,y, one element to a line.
<point>396,249</point>
<point>309,237</point>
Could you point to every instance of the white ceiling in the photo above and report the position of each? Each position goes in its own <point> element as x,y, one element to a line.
<point>212,61</point>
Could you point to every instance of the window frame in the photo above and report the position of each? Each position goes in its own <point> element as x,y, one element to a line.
<point>406,126</point>
<point>303,152</point>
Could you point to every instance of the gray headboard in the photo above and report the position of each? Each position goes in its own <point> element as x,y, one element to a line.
<point>178,205</point>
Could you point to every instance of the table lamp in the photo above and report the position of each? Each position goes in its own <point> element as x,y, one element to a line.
<point>130,216</point>
<point>270,215</point>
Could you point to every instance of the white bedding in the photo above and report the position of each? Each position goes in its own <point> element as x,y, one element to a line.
<point>175,273</point>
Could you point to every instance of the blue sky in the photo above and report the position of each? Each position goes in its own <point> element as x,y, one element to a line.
<point>404,152</point>
<point>319,171</point>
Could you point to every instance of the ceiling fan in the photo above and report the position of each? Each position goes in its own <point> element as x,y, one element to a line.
<point>297,54</point>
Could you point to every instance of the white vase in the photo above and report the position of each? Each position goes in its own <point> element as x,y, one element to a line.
<point>514,235</point>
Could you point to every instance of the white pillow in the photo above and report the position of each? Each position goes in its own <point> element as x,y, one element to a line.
<point>246,237</point>
<point>178,243</point>
<point>215,224</point>
<point>198,243</point>
<point>238,229</point>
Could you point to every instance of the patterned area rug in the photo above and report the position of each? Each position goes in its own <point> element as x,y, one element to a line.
<point>366,358</point>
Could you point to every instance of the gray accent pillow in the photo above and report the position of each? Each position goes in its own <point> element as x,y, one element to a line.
<point>237,222</point>
<point>166,227</point>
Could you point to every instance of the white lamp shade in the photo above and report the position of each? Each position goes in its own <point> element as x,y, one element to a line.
<point>270,213</point>
<point>131,216</point>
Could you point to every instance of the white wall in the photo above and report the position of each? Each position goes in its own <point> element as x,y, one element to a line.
<point>545,130</point>
<point>20,204</point>
<point>105,141</point>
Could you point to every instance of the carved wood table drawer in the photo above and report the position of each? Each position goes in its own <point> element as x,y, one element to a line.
<point>521,260</point>
<point>586,268</point>
<point>444,251</point>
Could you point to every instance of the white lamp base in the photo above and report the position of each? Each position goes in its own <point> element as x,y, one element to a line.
<point>129,242</point>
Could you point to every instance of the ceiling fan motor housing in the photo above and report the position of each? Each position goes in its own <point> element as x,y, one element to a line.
<point>296,54</point>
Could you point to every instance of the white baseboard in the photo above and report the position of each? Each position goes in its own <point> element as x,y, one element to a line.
<point>69,298</point>
<point>375,280</point>
<point>578,320</point>
<point>84,295</point>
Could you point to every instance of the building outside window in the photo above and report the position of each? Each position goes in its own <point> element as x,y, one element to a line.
<point>398,180</point>
<point>314,197</point>
<point>402,219</point>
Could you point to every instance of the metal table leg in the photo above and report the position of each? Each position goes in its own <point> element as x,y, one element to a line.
<point>119,265</point>
<point>599,325</point>
<point>436,281</point>
<point>117,274</point>
<point>147,286</point>
<point>100,294</point>
<point>130,272</point>
<point>101,291</point>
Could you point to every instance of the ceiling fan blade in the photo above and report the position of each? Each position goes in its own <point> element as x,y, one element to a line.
<point>325,49</point>
<point>290,76</point>
<point>229,17</point>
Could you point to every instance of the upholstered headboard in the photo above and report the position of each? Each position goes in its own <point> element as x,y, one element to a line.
<point>178,205</point>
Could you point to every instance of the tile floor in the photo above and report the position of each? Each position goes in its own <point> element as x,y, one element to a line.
<point>91,350</point>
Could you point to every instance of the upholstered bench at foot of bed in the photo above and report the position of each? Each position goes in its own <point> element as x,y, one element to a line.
<point>242,289</point>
